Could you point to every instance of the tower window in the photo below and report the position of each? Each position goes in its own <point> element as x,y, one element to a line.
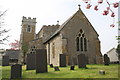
<point>28,28</point>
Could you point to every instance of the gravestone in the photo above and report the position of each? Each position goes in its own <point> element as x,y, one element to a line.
<point>56,68</point>
<point>106,59</point>
<point>30,61</point>
<point>74,60</point>
<point>102,72</point>
<point>72,67</point>
<point>62,60</point>
<point>51,65</point>
<point>41,61</point>
<point>16,71</point>
<point>5,60</point>
<point>87,62</point>
<point>81,61</point>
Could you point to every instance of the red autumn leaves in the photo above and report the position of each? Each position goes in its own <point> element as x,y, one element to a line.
<point>14,45</point>
<point>115,5</point>
<point>113,14</point>
<point>88,6</point>
<point>105,12</point>
<point>96,8</point>
<point>100,1</point>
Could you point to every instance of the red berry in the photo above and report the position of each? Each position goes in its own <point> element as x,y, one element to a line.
<point>96,8</point>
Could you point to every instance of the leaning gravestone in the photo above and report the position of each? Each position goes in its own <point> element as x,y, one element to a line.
<point>16,71</point>
<point>106,59</point>
<point>56,68</point>
<point>5,60</point>
<point>81,61</point>
<point>30,61</point>
<point>41,61</point>
<point>62,60</point>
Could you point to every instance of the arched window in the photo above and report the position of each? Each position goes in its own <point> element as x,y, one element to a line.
<point>77,44</point>
<point>81,41</point>
<point>85,44</point>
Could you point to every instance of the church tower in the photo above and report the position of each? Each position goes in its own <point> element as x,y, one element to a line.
<point>27,35</point>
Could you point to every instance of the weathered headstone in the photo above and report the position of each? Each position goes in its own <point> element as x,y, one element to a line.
<point>102,72</point>
<point>87,60</point>
<point>62,60</point>
<point>81,61</point>
<point>56,68</point>
<point>74,60</point>
<point>41,61</point>
<point>30,61</point>
<point>106,59</point>
<point>72,67</point>
<point>51,65</point>
<point>5,60</point>
<point>16,71</point>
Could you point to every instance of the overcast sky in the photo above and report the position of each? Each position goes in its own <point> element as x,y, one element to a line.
<point>48,12</point>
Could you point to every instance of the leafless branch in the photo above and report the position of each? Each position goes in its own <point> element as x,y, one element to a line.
<point>2,31</point>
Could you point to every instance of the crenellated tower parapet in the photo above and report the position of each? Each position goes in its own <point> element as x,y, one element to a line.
<point>47,31</point>
<point>29,20</point>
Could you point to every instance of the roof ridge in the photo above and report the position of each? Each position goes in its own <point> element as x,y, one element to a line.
<point>110,50</point>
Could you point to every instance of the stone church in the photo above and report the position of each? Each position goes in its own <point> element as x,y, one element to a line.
<point>75,36</point>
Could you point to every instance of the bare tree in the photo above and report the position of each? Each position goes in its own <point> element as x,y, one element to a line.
<point>3,31</point>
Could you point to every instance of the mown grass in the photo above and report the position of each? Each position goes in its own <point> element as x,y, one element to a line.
<point>65,72</point>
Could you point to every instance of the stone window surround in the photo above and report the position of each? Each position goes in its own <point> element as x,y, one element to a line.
<point>82,41</point>
<point>29,29</point>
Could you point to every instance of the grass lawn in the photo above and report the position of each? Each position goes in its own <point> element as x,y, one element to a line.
<point>65,72</point>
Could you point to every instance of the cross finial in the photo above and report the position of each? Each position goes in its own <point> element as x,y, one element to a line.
<point>58,22</point>
<point>79,6</point>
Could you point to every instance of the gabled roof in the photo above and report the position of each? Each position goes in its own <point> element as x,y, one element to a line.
<point>59,29</point>
<point>111,50</point>
<point>65,23</point>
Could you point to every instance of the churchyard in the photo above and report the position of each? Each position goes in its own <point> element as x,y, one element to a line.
<point>36,67</point>
<point>92,71</point>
